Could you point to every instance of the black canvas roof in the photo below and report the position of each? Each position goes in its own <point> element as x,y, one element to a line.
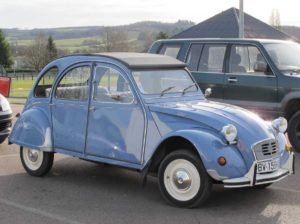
<point>226,25</point>
<point>140,60</point>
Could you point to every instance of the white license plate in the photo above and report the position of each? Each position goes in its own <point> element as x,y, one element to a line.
<point>268,166</point>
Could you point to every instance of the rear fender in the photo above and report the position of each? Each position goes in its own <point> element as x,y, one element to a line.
<point>33,130</point>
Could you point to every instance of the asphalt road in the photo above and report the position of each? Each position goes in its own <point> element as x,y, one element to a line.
<point>77,191</point>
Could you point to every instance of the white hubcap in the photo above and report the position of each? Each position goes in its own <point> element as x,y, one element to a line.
<point>32,158</point>
<point>182,180</point>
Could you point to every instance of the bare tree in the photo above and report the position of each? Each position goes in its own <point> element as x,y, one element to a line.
<point>275,19</point>
<point>36,55</point>
<point>114,40</point>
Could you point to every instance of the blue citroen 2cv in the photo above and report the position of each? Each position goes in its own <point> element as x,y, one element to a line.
<point>145,112</point>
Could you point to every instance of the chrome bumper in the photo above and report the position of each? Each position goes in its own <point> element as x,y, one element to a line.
<point>252,178</point>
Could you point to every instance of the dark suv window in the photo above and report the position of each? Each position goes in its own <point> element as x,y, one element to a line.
<point>192,60</point>
<point>171,50</point>
<point>244,60</point>
<point>212,58</point>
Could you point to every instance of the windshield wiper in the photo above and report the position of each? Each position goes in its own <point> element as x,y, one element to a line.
<point>166,90</point>
<point>188,87</point>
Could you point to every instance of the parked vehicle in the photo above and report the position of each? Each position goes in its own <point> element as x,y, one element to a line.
<point>5,110</point>
<point>259,75</point>
<point>5,118</point>
<point>145,112</point>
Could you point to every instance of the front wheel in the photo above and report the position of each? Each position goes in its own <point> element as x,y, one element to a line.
<point>183,180</point>
<point>36,162</point>
<point>294,131</point>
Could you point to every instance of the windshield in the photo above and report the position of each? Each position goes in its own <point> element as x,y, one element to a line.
<point>286,56</point>
<point>164,81</point>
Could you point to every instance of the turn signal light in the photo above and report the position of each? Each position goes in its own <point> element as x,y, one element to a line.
<point>222,161</point>
<point>288,148</point>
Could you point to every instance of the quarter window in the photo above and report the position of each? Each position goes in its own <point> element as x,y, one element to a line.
<point>75,84</point>
<point>245,59</point>
<point>171,50</point>
<point>111,86</point>
<point>44,86</point>
<point>194,56</point>
<point>212,58</point>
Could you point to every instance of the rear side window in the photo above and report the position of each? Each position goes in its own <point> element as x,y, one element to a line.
<point>44,86</point>
<point>192,60</point>
<point>171,50</point>
<point>212,58</point>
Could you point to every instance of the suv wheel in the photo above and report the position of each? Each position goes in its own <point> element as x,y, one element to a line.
<point>183,180</point>
<point>294,131</point>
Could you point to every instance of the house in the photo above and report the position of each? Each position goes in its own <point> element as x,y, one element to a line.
<point>226,25</point>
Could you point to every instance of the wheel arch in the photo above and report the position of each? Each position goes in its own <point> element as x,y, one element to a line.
<point>291,104</point>
<point>169,145</point>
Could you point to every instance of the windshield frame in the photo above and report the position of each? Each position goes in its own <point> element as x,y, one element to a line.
<point>178,94</point>
<point>278,66</point>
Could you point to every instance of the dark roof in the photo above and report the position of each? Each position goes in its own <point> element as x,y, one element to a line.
<point>141,60</point>
<point>226,25</point>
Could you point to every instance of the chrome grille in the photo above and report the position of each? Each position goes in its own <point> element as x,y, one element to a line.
<point>266,149</point>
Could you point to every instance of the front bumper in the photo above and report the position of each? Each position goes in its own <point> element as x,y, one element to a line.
<point>252,178</point>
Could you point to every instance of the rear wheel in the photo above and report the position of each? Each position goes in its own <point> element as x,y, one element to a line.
<point>183,180</point>
<point>36,162</point>
<point>294,131</point>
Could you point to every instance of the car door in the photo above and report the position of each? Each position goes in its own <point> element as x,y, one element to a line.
<point>69,108</point>
<point>206,62</point>
<point>246,84</point>
<point>116,118</point>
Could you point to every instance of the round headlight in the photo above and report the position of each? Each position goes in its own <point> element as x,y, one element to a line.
<point>229,132</point>
<point>280,124</point>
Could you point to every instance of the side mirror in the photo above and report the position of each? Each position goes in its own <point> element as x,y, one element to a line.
<point>5,86</point>
<point>207,92</point>
<point>261,67</point>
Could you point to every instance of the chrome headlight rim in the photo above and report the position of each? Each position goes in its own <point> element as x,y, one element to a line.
<point>280,124</point>
<point>230,133</point>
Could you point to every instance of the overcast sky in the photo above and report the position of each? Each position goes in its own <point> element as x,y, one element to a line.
<point>61,13</point>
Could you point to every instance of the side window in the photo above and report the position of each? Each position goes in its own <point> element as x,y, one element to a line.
<point>212,58</point>
<point>246,59</point>
<point>75,84</point>
<point>111,86</point>
<point>44,86</point>
<point>171,50</point>
<point>194,56</point>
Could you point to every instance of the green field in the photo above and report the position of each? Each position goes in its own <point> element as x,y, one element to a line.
<point>20,88</point>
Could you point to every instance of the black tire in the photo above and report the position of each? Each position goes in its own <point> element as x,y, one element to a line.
<point>293,129</point>
<point>42,168</point>
<point>202,192</point>
<point>3,138</point>
<point>262,186</point>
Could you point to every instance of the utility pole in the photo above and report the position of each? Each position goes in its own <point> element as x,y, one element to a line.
<point>241,20</point>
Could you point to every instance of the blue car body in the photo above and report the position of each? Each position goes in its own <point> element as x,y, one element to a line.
<point>132,134</point>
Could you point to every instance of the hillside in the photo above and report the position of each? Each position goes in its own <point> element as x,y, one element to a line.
<point>73,39</point>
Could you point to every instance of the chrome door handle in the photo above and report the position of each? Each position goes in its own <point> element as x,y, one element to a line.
<point>92,108</point>
<point>232,80</point>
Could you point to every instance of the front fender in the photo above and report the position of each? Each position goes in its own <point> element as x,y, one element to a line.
<point>33,130</point>
<point>210,147</point>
